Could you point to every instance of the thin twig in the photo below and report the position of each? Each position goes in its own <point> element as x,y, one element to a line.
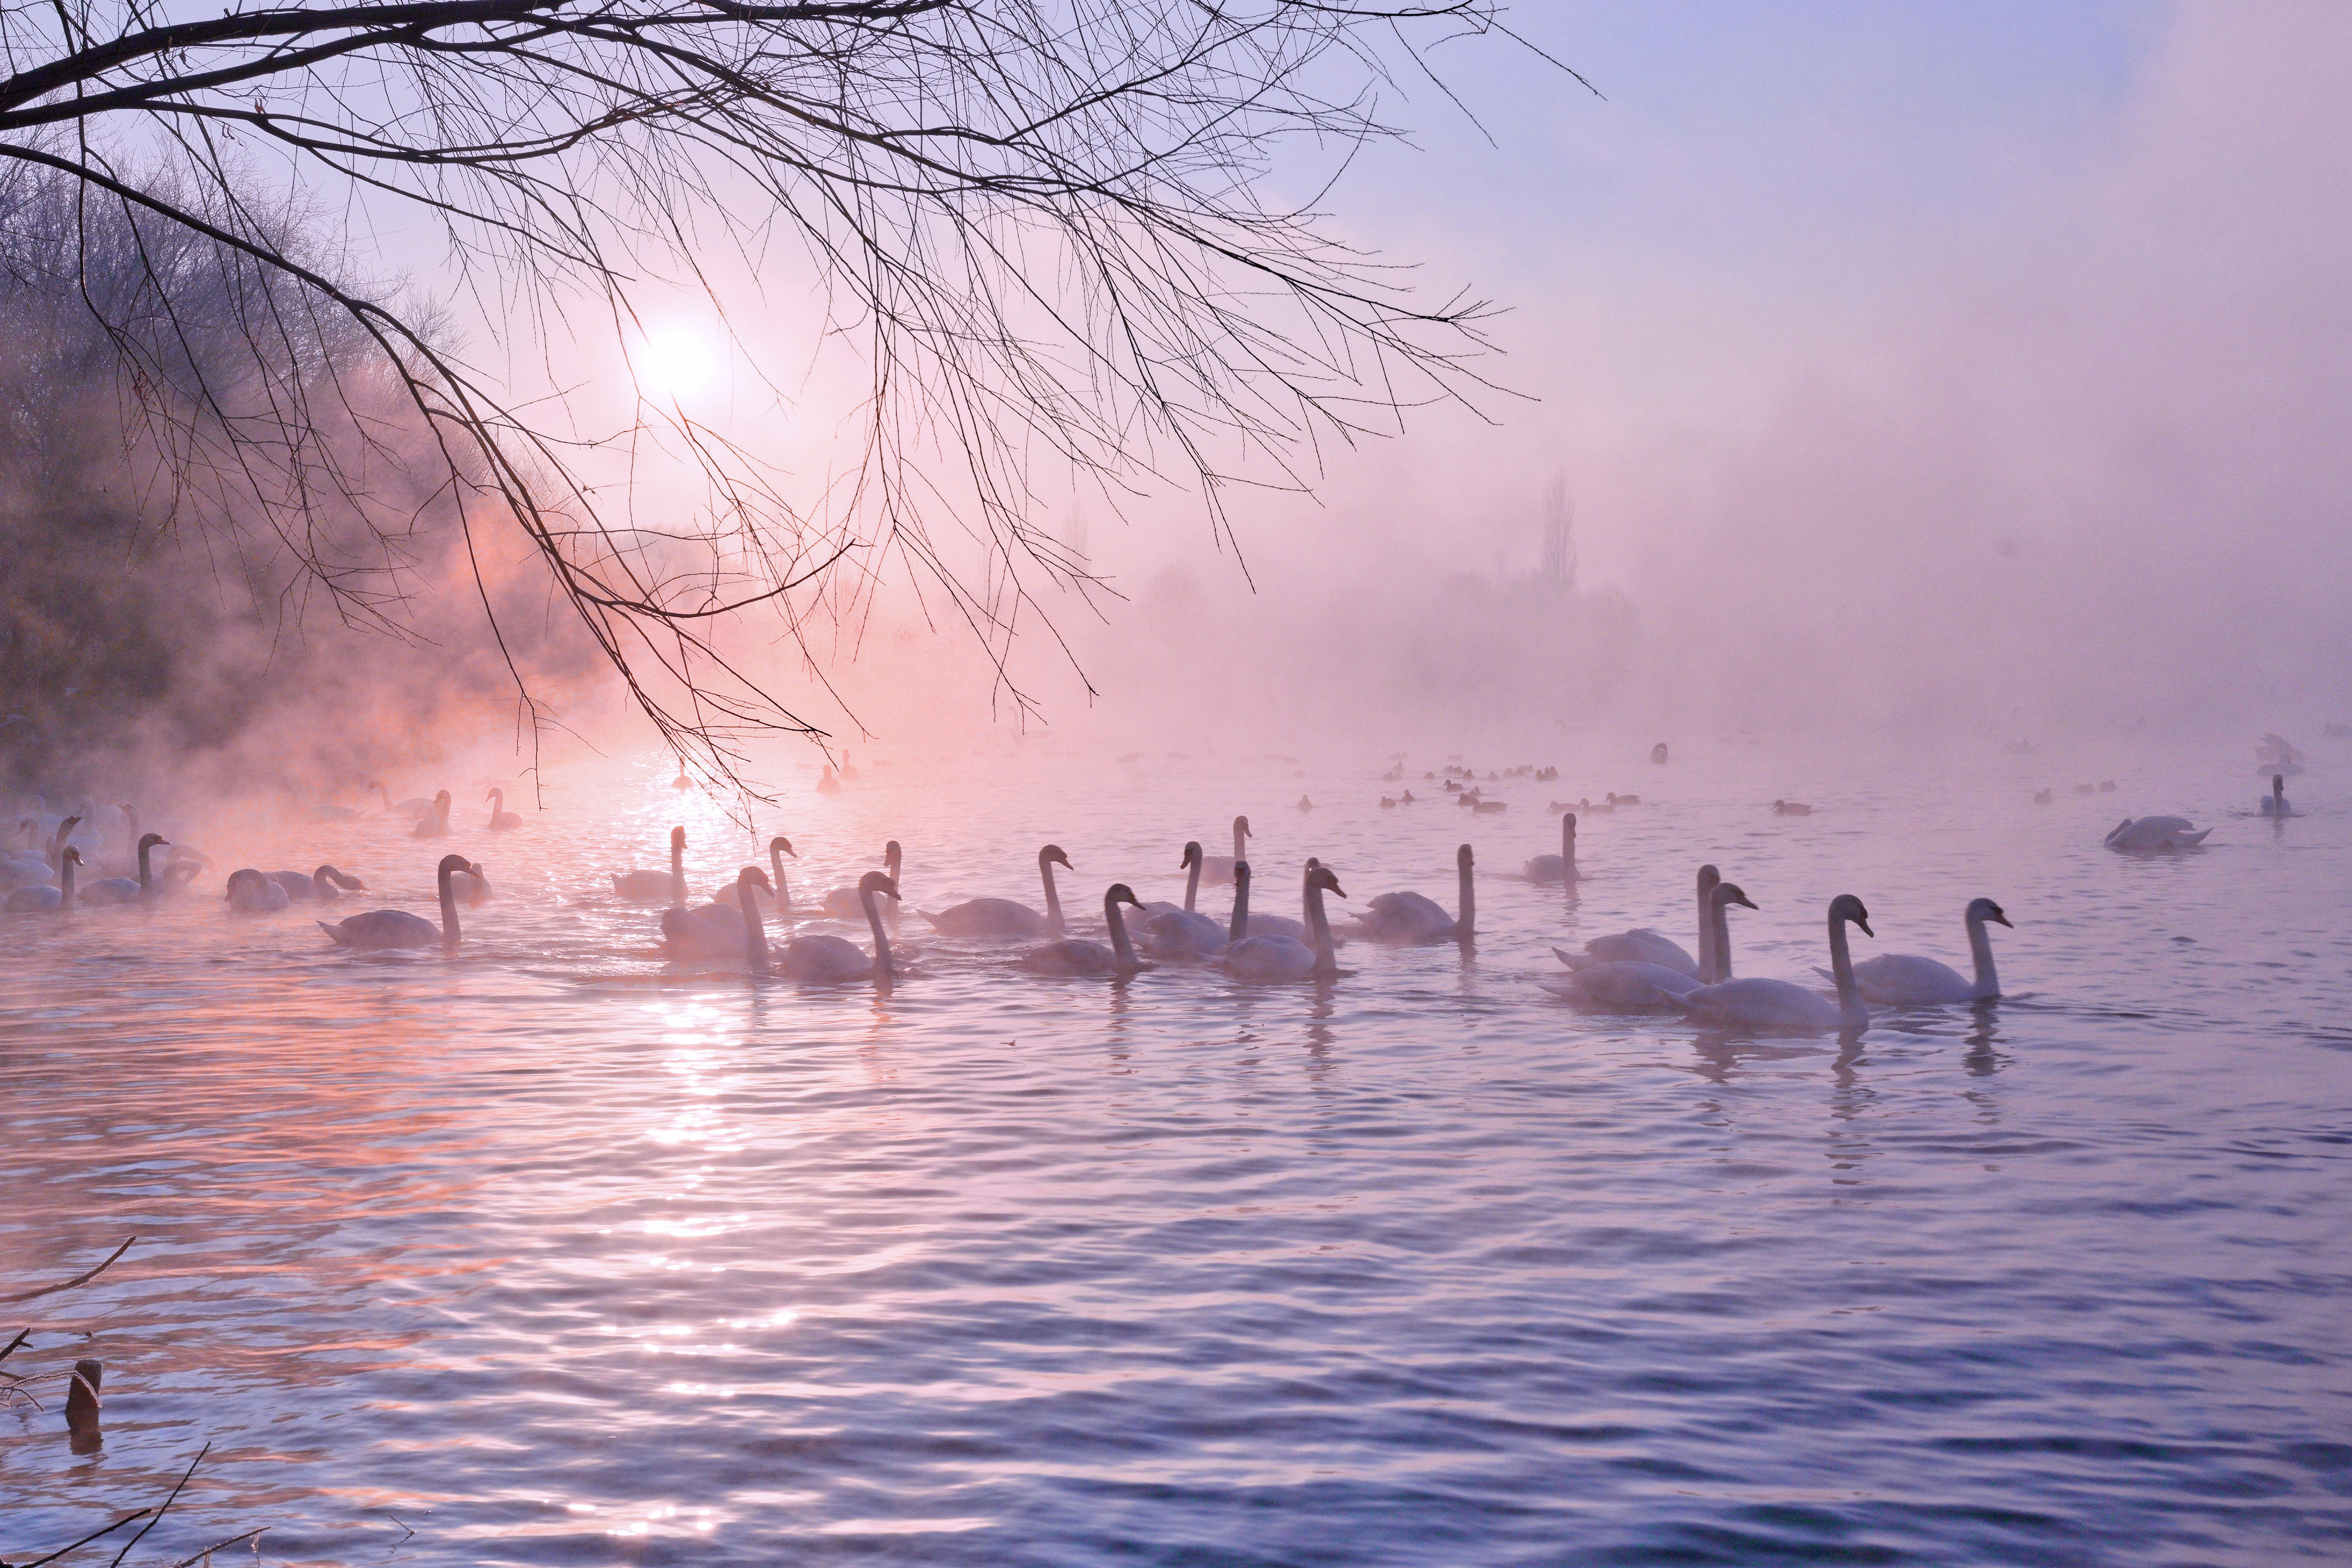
<point>86,1540</point>
<point>69,1284</point>
<point>215,1546</point>
<point>163,1510</point>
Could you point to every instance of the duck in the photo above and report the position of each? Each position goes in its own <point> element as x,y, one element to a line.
<point>1792,808</point>
<point>1072,956</point>
<point>1907,979</point>
<point>1779,1007</point>
<point>379,930</point>
<point>1273,959</point>
<point>1411,917</point>
<point>1004,917</point>
<point>647,886</point>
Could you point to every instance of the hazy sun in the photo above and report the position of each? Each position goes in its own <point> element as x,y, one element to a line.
<point>675,363</point>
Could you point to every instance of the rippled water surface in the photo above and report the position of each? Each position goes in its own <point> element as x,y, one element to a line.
<point>546,1253</point>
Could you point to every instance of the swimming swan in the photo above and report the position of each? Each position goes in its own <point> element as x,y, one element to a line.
<point>128,889</point>
<point>251,893</point>
<point>1631,985</point>
<point>1907,979</point>
<point>1072,956</point>
<point>778,847</point>
<point>41,896</point>
<point>720,931</point>
<point>501,819</point>
<point>380,929</point>
<point>322,884</point>
<point>1169,931</point>
<point>650,885</point>
<point>1644,944</point>
<point>1217,870</point>
<point>1778,1006</point>
<point>2146,834</point>
<point>435,823</point>
<point>2274,804</point>
<point>846,903</point>
<point>825,960</point>
<point>1280,958</point>
<point>1559,868</point>
<point>1410,916</point>
<point>1003,916</point>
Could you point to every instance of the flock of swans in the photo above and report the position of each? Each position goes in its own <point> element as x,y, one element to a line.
<point>1639,970</point>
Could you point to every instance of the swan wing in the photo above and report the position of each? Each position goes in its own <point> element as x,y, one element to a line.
<point>379,929</point>
<point>989,917</point>
<point>1909,980</point>
<point>1269,958</point>
<point>1766,1005</point>
<point>825,958</point>
<point>1632,987</point>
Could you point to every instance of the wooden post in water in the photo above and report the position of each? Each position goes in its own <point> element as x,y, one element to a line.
<point>81,1407</point>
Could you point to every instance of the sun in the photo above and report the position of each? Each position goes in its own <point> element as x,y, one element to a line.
<point>675,363</point>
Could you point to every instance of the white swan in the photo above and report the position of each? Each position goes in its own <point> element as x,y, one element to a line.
<point>1281,958</point>
<point>1217,870</point>
<point>828,785</point>
<point>1410,916</point>
<point>321,884</point>
<point>1003,916</point>
<point>41,896</point>
<point>2274,804</point>
<point>413,807</point>
<point>1778,1006</point>
<point>127,889</point>
<point>1631,985</point>
<point>1173,932</point>
<point>379,929</point>
<point>501,819</point>
<point>1072,956</point>
<point>1907,979</point>
<point>821,960</point>
<point>2143,835</point>
<point>1646,944</point>
<point>251,893</point>
<point>1559,868</point>
<point>646,885</point>
<point>778,847</point>
<point>434,823</point>
<point>849,903</point>
<point>718,931</point>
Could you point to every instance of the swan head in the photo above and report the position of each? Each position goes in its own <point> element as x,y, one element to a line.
<point>152,841</point>
<point>1192,855</point>
<point>892,855</point>
<point>1463,858</point>
<point>238,879</point>
<point>877,882</point>
<point>1847,907</point>
<point>1322,876</point>
<point>1241,827</point>
<point>1052,855</point>
<point>753,876</point>
<point>779,843</point>
<point>1569,819</point>
<point>1708,878</point>
<point>72,857</point>
<point>450,865</point>
<point>1120,893</point>
<point>677,838</point>
<point>1726,894</point>
<point>1241,873</point>
<point>2117,832</point>
<point>441,798</point>
<point>1986,909</point>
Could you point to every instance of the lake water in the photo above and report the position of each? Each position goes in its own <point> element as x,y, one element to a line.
<point>546,1254</point>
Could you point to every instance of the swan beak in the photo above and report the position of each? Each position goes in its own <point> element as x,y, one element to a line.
<point>1339,890</point>
<point>1867,931</point>
<point>2002,918</point>
<point>1745,902</point>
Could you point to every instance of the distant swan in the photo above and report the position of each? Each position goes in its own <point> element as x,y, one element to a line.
<point>1072,956</point>
<point>828,785</point>
<point>414,806</point>
<point>650,885</point>
<point>2274,804</point>
<point>1559,868</point>
<point>251,893</point>
<point>1907,979</point>
<point>436,822</point>
<point>1003,916</point>
<point>2145,833</point>
<point>1218,869</point>
<point>322,884</point>
<point>379,929</point>
<point>1281,958</point>
<point>821,960</point>
<point>1410,916</point>
<point>501,819</point>
<point>41,896</point>
<point>1778,1006</point>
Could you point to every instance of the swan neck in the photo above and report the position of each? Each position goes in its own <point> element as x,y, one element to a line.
<point>783,887</point>
<point>1327,959</point>
<point>66,870</point>
<point>449,929</point>
<point>1980,950</point>
<point>1053,896</point>
<point>1192,885</point>
<point>1852,1013</point>
<point>1707,948</point>
<point>881,940</point>
<point>1240,926</point>
<point>146,882</point>
<point>1241,847</point>
<point>677,872</point>
<point>1468,926</point>
<point>1118,942</point>
<point>755,935</point>
<point>1719,931</point>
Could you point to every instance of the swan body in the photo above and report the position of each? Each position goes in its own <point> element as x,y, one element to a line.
<point>1171,931</point>
<point>646,885</point>
<point>1217,870</point>
<point>128,889</point>
<point>434,823</point>
<point>1907,979</point>
<point>1629,987</point>
<point>1003,916</point>
<point>2274,804</point>
<point>715,931</point>
<point>1640,945</point>
<point>251,893</point>
<point>501,819</point>
<point>325,884</point>
<point>41,896</point>
<point>2141,835</point>
<point>826,960</point>
<point>1072,956</point>
<point>379,929</point>
<point>1779,1006</point>
<point>1559,868</point>
<point>1412,917</point>
<point>1258,958</point>
<point>778,847</point>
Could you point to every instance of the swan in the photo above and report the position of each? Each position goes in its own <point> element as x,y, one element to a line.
<point>501,819</point>
<point>1559,868</point>
<point>41,896</point>
<point>1779,1007</point>
<point>828,785</point>
<point>251,893</point>
<point>681,781</point>
<point>1003,916</point>
<point>1633,986</point>
<point>818,960</point>
<point>2141,835</point>
<point>647,886</point>
<point>1907,979</point>
<point>321,884</point>
<point>1217,870</point>
<point>849,903</point>
<point>413,807</point>
<point>26,867</point>
<point>435,824</point>
<point>718,931</point>
<point>127,889</point>
<point>379,929</point>
<point>1253,957</point>
<point>1409,917</point>
<point>1191,865</point>
<point>1644,944</point>
<point>778,847</point>
<point>1170,932</point>
<point>2274,804</point>
<point>1074,956</point>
